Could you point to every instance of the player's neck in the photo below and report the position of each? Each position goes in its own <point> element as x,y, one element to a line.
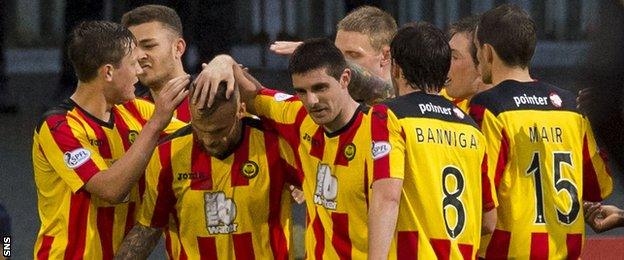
<point>501,72</point>
<point>89,96</point>
<point>156,88</point>
<point>348,111</point>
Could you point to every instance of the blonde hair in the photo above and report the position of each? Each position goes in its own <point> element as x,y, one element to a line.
<point>378,25</point>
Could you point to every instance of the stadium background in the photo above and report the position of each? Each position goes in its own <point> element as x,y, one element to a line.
<point>34,31</point>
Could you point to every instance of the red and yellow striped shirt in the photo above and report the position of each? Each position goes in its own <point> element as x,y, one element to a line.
<point>334,173</point>
<point>545,163</point>
<point>229,208</point>
<point>69,147</point>
<point>439,153</point>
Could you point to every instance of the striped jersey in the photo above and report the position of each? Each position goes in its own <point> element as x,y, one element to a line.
<point>182,112</point>
<point>231,207</point>
<point>545,163</point>
<point>69,147</point>
<point>462,103</point>
<point>335,178</point>
<point>439,153</point>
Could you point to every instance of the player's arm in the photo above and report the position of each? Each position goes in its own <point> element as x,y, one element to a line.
<point>488,223</point>
<point>139,243</point>
<point>382,216</point>
<point>597,181</point>
<point>489,199</point>
<point>366,87</point>
<point>284,47</point>
<point>387,184</point>
<point>114,183</point>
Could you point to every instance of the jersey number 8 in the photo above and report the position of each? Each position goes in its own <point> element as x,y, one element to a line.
<point>451,199</point>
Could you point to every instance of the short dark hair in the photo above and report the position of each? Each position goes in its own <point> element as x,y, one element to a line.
<point>511,32</point>
<point>371,21</point>
<point>467,26</point>
<point>317,53</point>
<point>153,13</point>
<point>96,43</point>
<point>219,100</point>
<point>422,51</point>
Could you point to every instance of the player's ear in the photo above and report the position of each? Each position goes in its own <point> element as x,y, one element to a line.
<point>107,72</point>
<point>345,77</point>
<point>179,47</point>
<point>385,56</point>
<point>242,110</point>
<point>488,53</point>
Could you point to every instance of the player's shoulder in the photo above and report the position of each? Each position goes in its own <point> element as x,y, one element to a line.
<point>59,110</point>
<point>185,132</point>
<point>423,105</point>
<point>512,95</point>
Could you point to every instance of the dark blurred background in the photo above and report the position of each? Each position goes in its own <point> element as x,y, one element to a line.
<point>34,74</point>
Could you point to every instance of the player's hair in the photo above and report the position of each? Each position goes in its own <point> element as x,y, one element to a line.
<point>96,43</point>
<point>373,22</point>
<point>511,32</point>
<point>154,13</point>
<point>315,54</point>
<point>467,26</point>
<point>219,100</point>
<point>422,51</point>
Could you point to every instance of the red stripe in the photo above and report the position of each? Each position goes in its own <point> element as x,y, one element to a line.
<point>379,131</point>
<point>241,156</point>
<point>183,255</point>
<point>591,186</point>
<point>77,224</point>
<point>319,236</point>
<point>575,244</point>
<point>46,245</point>
<point>104,147</point>
<point>407,245</point>
<point>165,201</point>
<point>202,166</point>
<point>366,188</point>
<point>486,188</point>
<point>499,245</point>
<point>243,247</point>
<point>277,174</point>
<point>122,129</point>
<point>466,251</point>
<point>502,158</point>
<point>67,142</point>
<point>130,217</point>
<point>290,132</point>
<point>442,248</point>
<point>539,246</point>
<point>340,239</point>
<point>183,112</point>
<point>168,243</point>
<point>134,111</point>
<point>105,219</point>
<point>207,248</point>
<point>477,112</point>
<point>318,143</point>
<point>347,138</point>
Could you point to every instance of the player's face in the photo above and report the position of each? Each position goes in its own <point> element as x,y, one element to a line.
<point>124,77</point>
<point>321,94</point>
<point>357,48</point>
<point>485,68</point>
<point>159,45</point>
<point>219,131</point>
<point>463,76</point>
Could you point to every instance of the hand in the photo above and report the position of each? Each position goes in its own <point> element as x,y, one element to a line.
<point>169,98</point>
<point>284,47</point>
<point>603,217</point>
<point>207,82</point>
<point>297,194</point>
